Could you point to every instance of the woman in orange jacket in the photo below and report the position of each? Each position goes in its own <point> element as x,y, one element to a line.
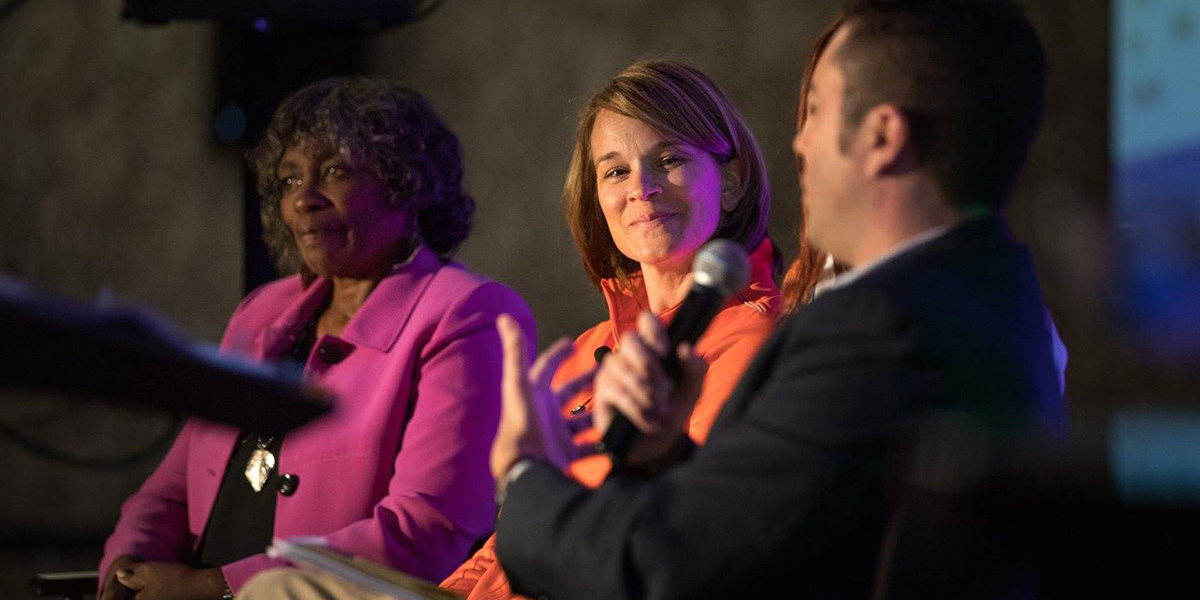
<point>662,164</point>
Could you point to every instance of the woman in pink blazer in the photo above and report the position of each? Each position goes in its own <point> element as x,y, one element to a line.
<point>361,188</point>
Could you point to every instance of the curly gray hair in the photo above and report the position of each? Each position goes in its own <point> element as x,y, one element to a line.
<point>389,129</point>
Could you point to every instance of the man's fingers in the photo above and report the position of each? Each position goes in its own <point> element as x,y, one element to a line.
<point>645,362</point>
<point>549,407</point>
<point>653,334</point>
<point>568,390</point>
<point>512,341</point>
<point>579,423</point>
<point>622,378</point>
<point>638,358</point>
<point>547,363</point>
<point>693,369</point>
<point>694,366</point>
<point>584,450</point>
<point>645,420</point>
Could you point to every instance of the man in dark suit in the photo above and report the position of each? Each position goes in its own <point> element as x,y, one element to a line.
<point>916,122</point>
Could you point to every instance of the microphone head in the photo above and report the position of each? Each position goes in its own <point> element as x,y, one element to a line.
<point>722,265</point>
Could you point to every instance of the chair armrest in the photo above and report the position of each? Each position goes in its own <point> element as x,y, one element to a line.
<point>70,585</point>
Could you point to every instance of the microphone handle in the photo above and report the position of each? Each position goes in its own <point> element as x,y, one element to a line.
<point>697,311</point>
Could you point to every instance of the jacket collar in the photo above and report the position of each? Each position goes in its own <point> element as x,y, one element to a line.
<point>972,237</point>
<point>988,229</point>
<point>626,300</point>
<point>378,322</point>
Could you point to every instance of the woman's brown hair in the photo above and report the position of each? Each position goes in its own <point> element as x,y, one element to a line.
<point>805,271</point>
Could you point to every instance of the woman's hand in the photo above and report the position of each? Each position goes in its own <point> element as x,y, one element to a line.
<point>632,381</point>
<point>531,422</point>
<point>112,589</point>
<point>170,581</point>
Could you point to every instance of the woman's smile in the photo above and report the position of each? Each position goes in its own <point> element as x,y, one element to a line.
<point>656,219</point>
<point>661,197</point>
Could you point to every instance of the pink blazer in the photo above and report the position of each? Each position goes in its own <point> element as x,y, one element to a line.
<point>399,472</point>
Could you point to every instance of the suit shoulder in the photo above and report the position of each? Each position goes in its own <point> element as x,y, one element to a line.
<point>860,309</point>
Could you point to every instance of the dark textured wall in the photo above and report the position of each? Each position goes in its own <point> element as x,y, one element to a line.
<point>111,182</point>
<point>112,185</point>
<point>111,188</point>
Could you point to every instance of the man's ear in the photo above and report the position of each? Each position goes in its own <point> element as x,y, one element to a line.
<point>731,184</point>
<point>887,140</point>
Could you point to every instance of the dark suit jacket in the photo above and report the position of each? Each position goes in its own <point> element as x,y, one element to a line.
<point>790,494</point>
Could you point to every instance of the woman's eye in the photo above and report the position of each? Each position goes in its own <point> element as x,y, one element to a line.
<point>615,172</point>
<point>289,182</point>
<point>336,172</point>
<point>671,161</point>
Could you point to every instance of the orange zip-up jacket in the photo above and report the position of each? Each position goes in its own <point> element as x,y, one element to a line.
<point>728,345</point>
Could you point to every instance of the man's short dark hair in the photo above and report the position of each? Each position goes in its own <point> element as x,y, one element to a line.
<point>969,76</point>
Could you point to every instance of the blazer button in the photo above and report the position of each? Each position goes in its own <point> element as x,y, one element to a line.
<point>288,484</point>
<point>332,353</point>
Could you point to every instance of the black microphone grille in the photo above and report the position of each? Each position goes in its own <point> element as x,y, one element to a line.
<point>722,265</point>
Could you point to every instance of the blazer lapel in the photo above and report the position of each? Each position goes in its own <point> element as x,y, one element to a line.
<point>277,337</point>
<point>379,321</point>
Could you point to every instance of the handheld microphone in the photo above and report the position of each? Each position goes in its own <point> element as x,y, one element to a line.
<point>720,270</point>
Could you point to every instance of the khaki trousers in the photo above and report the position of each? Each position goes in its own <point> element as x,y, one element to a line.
<point>302,584</point>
